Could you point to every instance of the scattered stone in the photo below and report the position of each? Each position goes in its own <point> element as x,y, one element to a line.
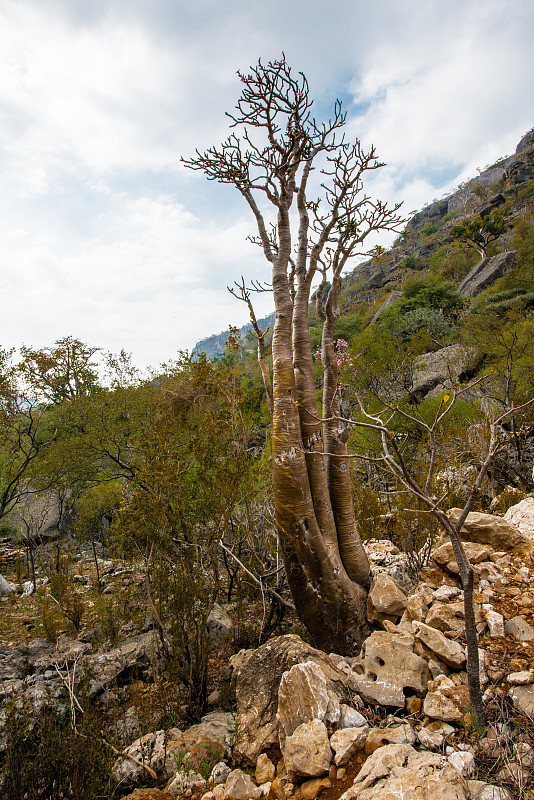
<point>444,556</point>
<point>381,737</point>
<point>385,597</point>
<point>303,695</point>
<point>446,650</point>
<point>276,790</point>
<point>183,783</point>
<point>350,718</point>
<point>479,790</point>
<point>6,587</point>
<point>240,786</point>
<point>155,750</point>
<point>391,669</point>
<point>220,773</point>
<point>446,592</point>
<point>523,699</point>
<point>399,771</point>
<point>495,531</point>
<point>495,621</point>
<point>217,726</point>
<point>307,752</point>
<point>519,629</point>
<point>413,705</point>
<point>257,686</point>
<point>448,702</point>
<point>464,762</point>
<point>434,734</point>
<point>346,742</point>
<point>450,616</point>
<point>220,626</point>
<point>522,515</point>
<point>265,769</point>
<point>513,772</point>
<point>521,678</point>
<point>311,789</point>
<point>205,752</point>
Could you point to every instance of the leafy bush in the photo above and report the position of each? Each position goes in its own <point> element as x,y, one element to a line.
<point>428,229</point>
<point>48,759</point>
<point>411,262</point>
<point>404,326</point>
<point>429,292</point>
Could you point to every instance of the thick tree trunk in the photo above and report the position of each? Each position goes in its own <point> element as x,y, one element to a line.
<point>331,604</point>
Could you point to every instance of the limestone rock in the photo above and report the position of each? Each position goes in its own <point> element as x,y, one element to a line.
<point>220,773</point>
<point>220,626</point>
<point>303,695</point>
<point>522,515</point>
<point>495,621</point>
<point>519,629</point>
<point>184,782</point>
<point>450,616</point>
<point>217,725</point>
<point>487,271</point>
<point>134,656</point>
<point>205,752</point>
<point>495,531</point>
<point>311,789</point>
<point>276,790</point>
<point>433,371</point>
<point>479,790</point>
<point>448,703</point>
<point>350,718</point>
<point>238,661</point>
<point>434,734</point>
<point>463,761</point>
<point>6,587</point>
<point>521,678</point>
<point>523,697</point>
<point>399,771</point>
<point>240,786</point>
<point>307,752</point>
<point>444,556</point>
<point>385,597</point>
<point>391,669</point>
<point>381,737</point>
<point>445,649</point>
<point>257,686</point>
<point>150,750</point>
<point>346,742</point>
<point>265,769</point>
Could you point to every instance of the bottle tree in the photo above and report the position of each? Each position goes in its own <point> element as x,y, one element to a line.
<point>303,182</point>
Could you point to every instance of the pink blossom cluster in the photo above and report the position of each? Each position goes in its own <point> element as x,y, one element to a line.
<point>244,78</point>
<point>341,350</point>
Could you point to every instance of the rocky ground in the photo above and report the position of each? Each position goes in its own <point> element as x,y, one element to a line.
<point>390,723</point>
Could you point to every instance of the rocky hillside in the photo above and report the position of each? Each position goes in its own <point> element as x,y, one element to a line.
<point>427,248</point>
<point>389,723</point>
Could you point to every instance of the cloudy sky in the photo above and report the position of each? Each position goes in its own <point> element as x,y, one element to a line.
<point>107,238</point>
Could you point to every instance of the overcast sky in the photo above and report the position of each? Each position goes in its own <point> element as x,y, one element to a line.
<point>107,238</point>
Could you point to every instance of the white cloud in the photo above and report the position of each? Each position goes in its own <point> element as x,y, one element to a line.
<point>106,237</point>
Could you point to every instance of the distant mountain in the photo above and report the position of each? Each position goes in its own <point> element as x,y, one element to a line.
<point>426,248</point>
<point>213,345</point>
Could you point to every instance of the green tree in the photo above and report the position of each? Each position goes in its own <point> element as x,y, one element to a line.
<point>60,372</point>
<point>24,435</point>
<point>479,232</point>
<point>193,471</point>
<point>315,228</point>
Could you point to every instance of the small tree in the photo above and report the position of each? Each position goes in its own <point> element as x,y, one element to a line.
<point>393,462</point>
<point>316,227</point>
<point>479,232</point>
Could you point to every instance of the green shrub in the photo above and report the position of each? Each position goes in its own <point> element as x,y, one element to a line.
<point>428,229</point>
<point>46,758</point>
